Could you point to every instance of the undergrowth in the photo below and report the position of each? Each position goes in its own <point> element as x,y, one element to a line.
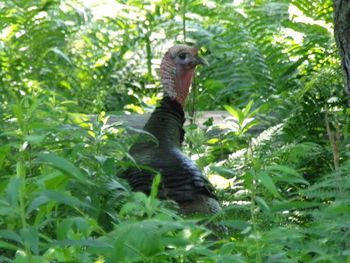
<point>280,162</point>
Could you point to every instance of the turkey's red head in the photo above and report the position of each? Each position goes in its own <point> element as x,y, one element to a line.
<point>177,69</point>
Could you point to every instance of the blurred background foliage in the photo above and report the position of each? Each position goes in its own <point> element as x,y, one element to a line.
<point>280,162</point>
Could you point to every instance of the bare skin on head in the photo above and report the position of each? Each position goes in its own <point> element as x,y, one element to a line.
<point>177,69</point>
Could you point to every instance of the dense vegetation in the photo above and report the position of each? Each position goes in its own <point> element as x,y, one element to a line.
<point>281,163</point>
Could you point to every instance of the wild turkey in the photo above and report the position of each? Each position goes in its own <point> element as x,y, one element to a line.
<point>182,181</point>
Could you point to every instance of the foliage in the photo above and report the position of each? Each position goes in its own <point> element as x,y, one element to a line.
<point>280,162</point>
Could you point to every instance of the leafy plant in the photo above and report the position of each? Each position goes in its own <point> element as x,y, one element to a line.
<point>280,164</point>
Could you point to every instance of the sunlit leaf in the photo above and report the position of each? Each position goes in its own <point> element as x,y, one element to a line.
<point>247,108</point>
<point>234,112</point>
<point>155,186</point>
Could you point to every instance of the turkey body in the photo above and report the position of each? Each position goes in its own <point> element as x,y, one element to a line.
<point>181,181</point>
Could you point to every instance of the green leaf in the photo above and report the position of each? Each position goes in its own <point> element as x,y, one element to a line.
<point>6,209</point>
<point>8,246</point>
<point>56,196</point>
<point>202,251</point>
<point>133,241</point>
<point>35,139</point>
<point>14,189</point>
<point>37,202</point>
<point>287,174</point>
<point>155,186</point>
<point>284,169</point>
<point>30,237</point>
<point>232,111</point>
<point>262,203</point>
<point>338,208</point>
<point>66,228</point>
<point>239,225</point>
<point>83,242</point>
<point>64,166</point>
<point>293,205</point>
<point>249,126</point>
<point>58,52</point>
<point>223,171</point>
<point>247,108</point>
<point>227,248</point>
<point>267,181</point>
<point>26,259</point>
<point>249,123</point>
<point>10,235</point>
<point>248,179</point>
<point>4,151</point>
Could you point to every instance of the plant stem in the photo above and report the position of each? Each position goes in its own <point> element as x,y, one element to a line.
<point>184,19</point>
<point>148,47</point>
<point>254,170</point>
<point>21,173</point>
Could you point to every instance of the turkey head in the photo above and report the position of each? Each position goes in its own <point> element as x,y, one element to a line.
<point>177,69</point>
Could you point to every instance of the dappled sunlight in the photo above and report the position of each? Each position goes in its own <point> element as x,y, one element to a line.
<point>104,8</point>
<point>220,182</point>
<point>295,35</point>
<point>296,15</point>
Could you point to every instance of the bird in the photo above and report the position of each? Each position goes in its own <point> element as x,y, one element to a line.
<point>181,179</point>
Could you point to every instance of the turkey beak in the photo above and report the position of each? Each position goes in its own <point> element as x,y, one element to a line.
<point>201,61</point>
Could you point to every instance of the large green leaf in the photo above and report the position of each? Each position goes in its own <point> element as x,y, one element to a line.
<point>56,196</point>
<point>64,166</point>
<point>269,184</point>
<point>136,241</point>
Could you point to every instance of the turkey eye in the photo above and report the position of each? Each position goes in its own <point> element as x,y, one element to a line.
<point>182,56</point>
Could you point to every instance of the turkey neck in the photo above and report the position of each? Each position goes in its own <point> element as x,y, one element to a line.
<point>183,82</point>
<point>166,123</point>
<point>167,119</point>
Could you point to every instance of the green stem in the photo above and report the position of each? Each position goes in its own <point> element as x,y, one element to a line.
<point>254,221</point>
<point>21,173</point>
<point>148,46</point>
<point>252,203</point>
<point>184,19</point>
